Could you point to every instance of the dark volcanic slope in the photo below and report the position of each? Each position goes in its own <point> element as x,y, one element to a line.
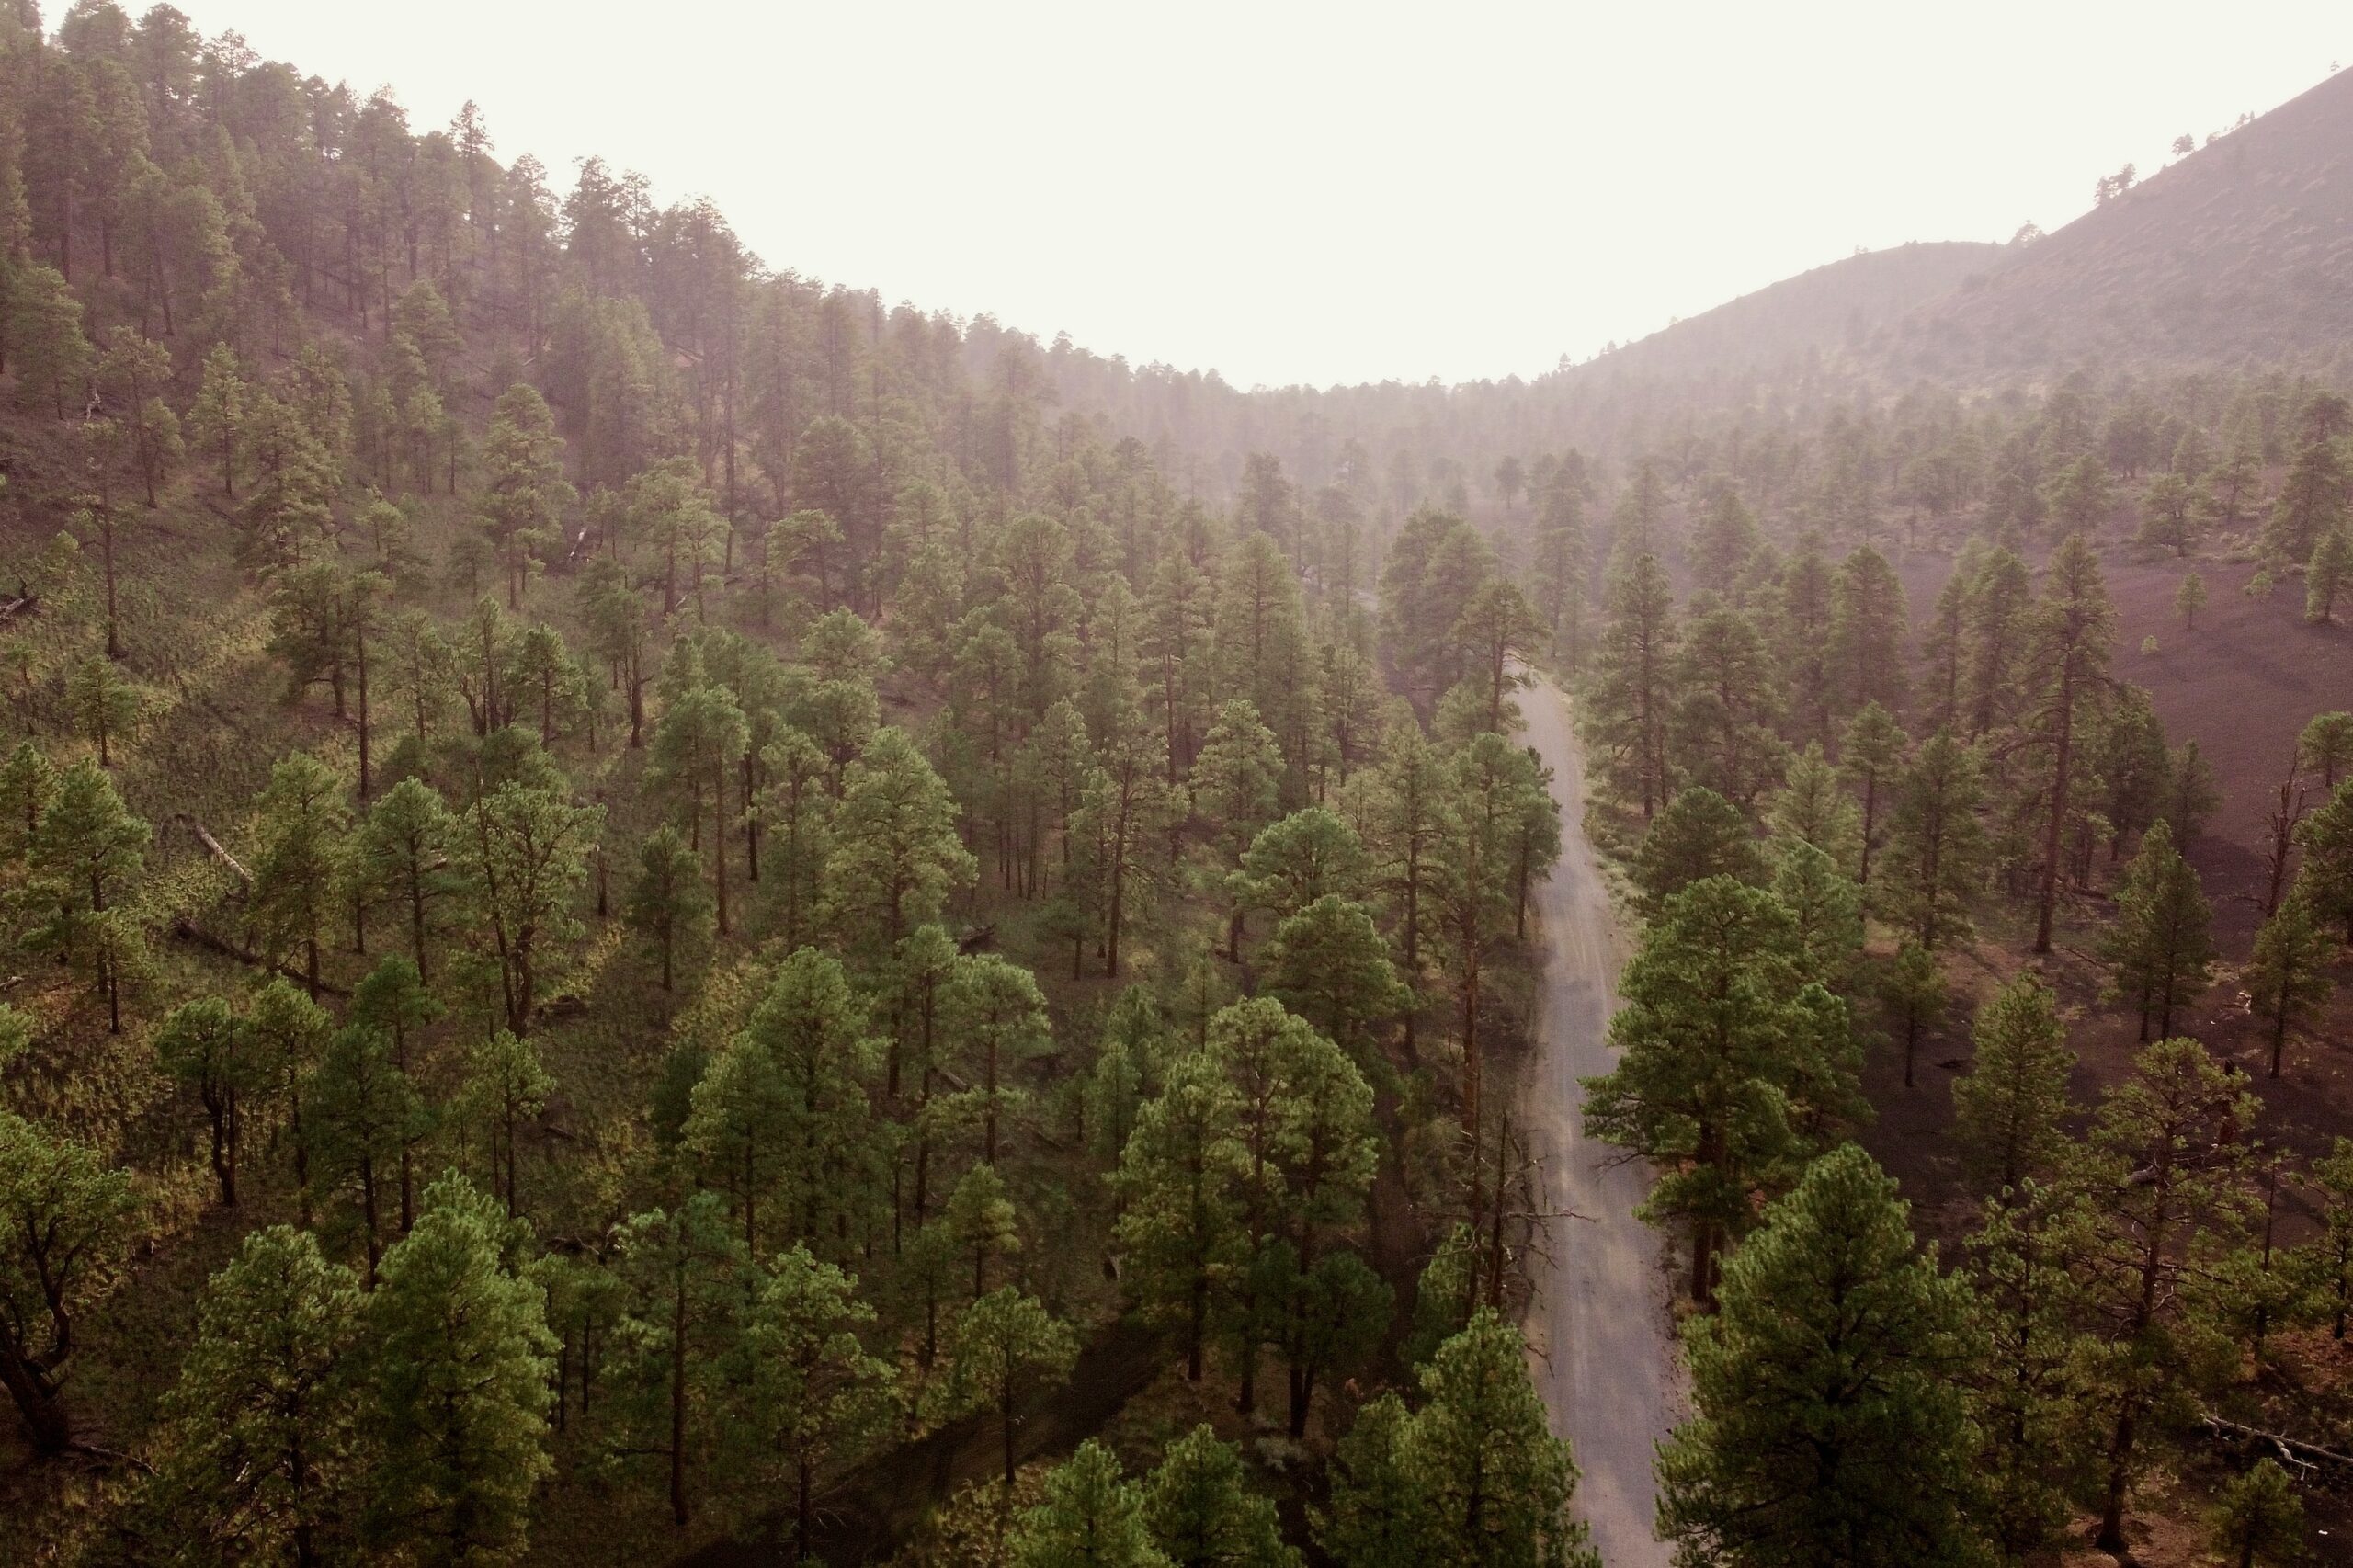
<point>2244,250</point>
<point>1832,309</point>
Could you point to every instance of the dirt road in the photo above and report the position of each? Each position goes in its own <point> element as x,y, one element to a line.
<point>1600,1320</point>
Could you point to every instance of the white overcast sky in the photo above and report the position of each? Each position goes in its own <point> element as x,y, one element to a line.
<point>1297,192</point>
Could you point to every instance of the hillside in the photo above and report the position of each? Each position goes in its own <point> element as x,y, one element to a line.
<point>1834,308</point>
<point>650,911</point>
<point>2241,252</point>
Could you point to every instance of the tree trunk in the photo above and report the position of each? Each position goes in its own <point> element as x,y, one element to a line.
<point>2048,906</point>
<point>39,1401</point>
<point>719,838</point>
<point>362,640</point>
<point>678,1402</point>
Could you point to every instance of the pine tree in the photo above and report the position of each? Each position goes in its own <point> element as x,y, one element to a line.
<point>1495,1483</point>
<point>1728,1057</point>
<point>290,510</point>
<point>2160,947</point>
<point>545,675</point>
<point>1306,856</point>
<point>1324,1318</point>
<point>2007,1111</point>
<point>28,785</point>
<point>2326,839</point>
<point>507,1084</point>
<point>1330,965</point>
<point>1830,1428</point>
<point>524,494</point>
<point>1997,633</point>
<point>63,1214</point>
<point>2191,792</point>
<point>1180,1185</point>
<point>2080,496</point>
<point>1091,1517</point>
<point>1869,630</point>
<point>895,856</point>
<point>2128,760</point>
<point>204,1045</point>
<point>1303,1123</point>
<point>1004,1345</point>
<point>392,999</point>
<point>87,851</point>
<point>1721,730</point>
<point>1944,643</point>
<point>667,903</point>
<point>1235,788</point>
<point>983,1222</point>
<point>2169,514</point>
<point>1563,567</point>
<point>1203,1513</point>
<point>782,1115</point>
<point>2327,1260</point>
<point>1125,807</point>
<point>1802,620</point>
<point>262,1456</point>
<point>1495,628</point>
<point>1631,697</point>
<point>795,821</point>
<point>687,1279</point>
<point>1724,541</point>
<point>2073,627</point>
<point>288,1033</point>
<point>104,704</point>
<point>995,1010</point>
<point>2288,981</point>
<point>1381,1517</point>
<point>618,632</point>
<point>523,855</point>
<point>1936,847</point>
<point>2260,1518</point>
<point>2165,1173</point>
<point>401,855</point>
<point>133,373</point>
<point>698,747</point>
<point>1402,805</point>
<point>366,1114</point>
<point>1434,568</point>
<point>2024,1393</point>
<point>1483,852</point>
<point>1914,991</point>
<point>2326,744</point>
<point>52,357</point>
<point>303,819</point>
<point>2188,599</point>
<point>2326,575</point>
<point>1871,760</point>
<point>2312,497</point>
<point>1698,834</point>
<point>1811,808</point>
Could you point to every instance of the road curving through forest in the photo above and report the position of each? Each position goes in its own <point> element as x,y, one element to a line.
<point>1601,1324</point>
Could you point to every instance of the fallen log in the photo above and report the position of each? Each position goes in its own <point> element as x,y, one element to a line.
<point>23,604</point>
<point>188,931</point>
<point>2291,1448</point>
<point>220,850</point>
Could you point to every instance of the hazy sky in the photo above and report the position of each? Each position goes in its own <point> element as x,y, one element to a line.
<point>1291,192</point>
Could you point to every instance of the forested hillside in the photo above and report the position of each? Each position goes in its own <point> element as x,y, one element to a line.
<point>652,910</point>
<point>643,898</point>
